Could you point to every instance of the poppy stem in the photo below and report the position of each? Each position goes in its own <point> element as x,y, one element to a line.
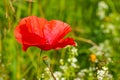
<point>46,61</point>
<point>51,72</point>
<point>38,65</point>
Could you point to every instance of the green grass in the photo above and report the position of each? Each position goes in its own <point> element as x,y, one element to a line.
<point>92,35</point>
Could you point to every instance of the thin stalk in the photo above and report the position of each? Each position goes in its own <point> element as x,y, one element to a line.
<point>51,72</point>
<point>30,8</point>
<point>46,61</point>
<point>38,66</point>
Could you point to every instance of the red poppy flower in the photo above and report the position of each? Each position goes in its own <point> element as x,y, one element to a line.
<point>34,31</point>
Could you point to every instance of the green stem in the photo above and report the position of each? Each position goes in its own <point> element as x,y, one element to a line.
<point>38,66</point>
<point>46,62</point>
<point>51,72</point>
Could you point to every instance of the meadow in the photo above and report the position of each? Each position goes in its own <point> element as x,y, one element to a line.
<point>95,28</point>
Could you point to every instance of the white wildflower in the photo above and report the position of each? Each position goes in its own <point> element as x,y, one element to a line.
<point>104,68</point>
<point>104,74</point>
<point>110,26</point>
<point>74,65</point>
<point>73,59</point>
<point>101,14</point>
<point>84,70</point>
<point>74,51</point>
<point>102,5</point>
<point>100,74</point>
<point>57,75</point>
<point>81,74</point>
<point>77,79</point>
<point>64,67</point>
<point>63,78</point>
<point>98,53</point>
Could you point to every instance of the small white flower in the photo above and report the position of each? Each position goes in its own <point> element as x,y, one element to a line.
<point>81,74</point>
<point>73,65</point>
<point>105,68</point>
<point>57,74</point>
<point>63,67</point>
<point>110,26</point>
<point>100,78</point>
<point>109,59</point>
<point>63,78</point>
<point>101,72</point>
<point>69,60</point>
<point>73,59</point>
<point>74,51</point>
<point>84,70</point>
<point>102,5</point>
<point>101,14</point>
<point>47,70</point>
<point>77,79</point>
<point>98,53</point>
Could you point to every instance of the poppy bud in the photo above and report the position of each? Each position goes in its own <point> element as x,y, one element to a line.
<point>46,60</point>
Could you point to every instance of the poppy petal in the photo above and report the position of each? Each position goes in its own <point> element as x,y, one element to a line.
<point>17,30</point>
<point>34,31</point>
<point>45,47</point>
<point>36,25</point>
<point>64,42</point>
<point>30,31</point>
<point>25,46</point>
<point>55,31</point>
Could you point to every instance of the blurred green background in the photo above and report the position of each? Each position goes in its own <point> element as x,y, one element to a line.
<point>95,28</point>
